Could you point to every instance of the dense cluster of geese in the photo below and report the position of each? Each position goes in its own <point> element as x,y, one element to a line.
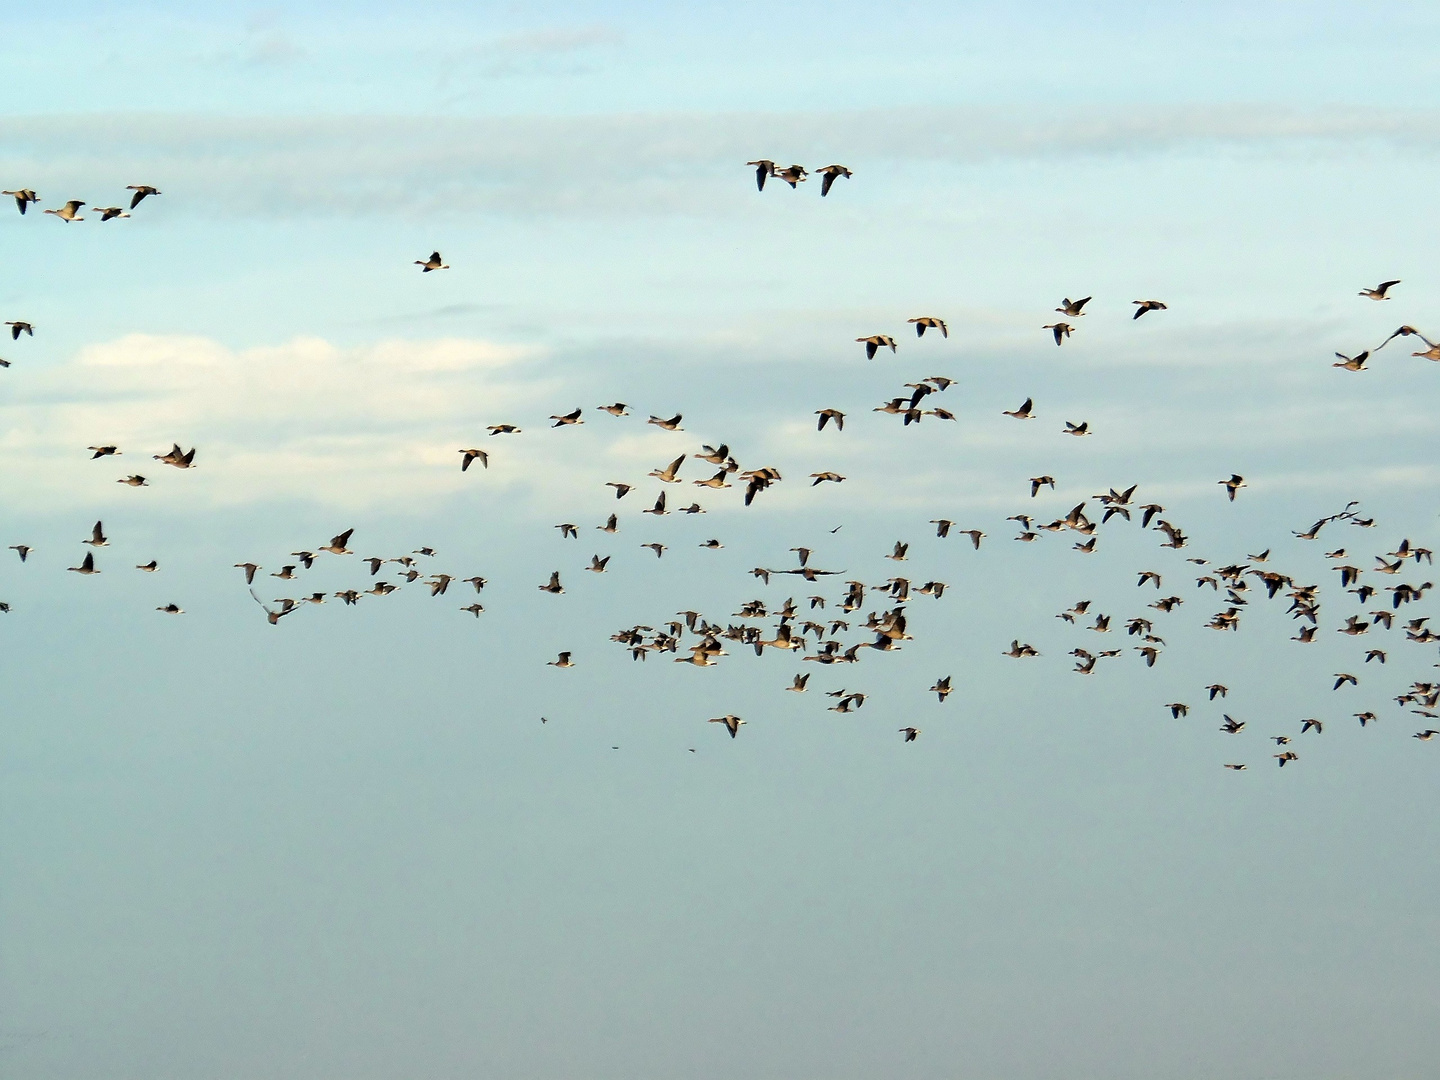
<point>828,628</point>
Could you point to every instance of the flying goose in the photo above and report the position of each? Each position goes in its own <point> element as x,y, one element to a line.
<point>658,548</point>
<point>18,328</point>
<point>553,586</point>
<point>827,415</point>
<point>142,192</point>
<point>831,173</point>
<point>618,409</point>
<point>1237,768</point>
<point>1037,482</point>
<point>1377,293</point>
<point>23,197</point>
<point>764,169</point>
<point>474,609</point>
<point>1073,308</point>
<point>732,723</point>
<point>133,480</point>
<point>432,263</point>
<point>1082,428</point>
<point>798,686</point>
<point>473,455</point>
<point>109,212</point>
<point>928,322</point>
<point>1231,486</point>
<point>597,564</point>
<point>561,661</point>
<point>1426,735</point>
<point>659,508</point>
<point>941,688</point>
<point>1060,330</point>
<point>97,536</point>
<point>667,475</point>
<point>170,609</point>
<point>611,525</point>
<point>69,211</point>
<point>910,733</point>
<point>87,566</point>
<point>1353,363</point>
<point>875,342</point>
<point>821,477</point>
<point>673,424</point>
<point>23,550</point>
<point>1024,412</point>
<point>568,419</point>
<point>177,458</point>
<point>337,544</point>
<point>503,429</point>
<point>1142,306</point>
<point>568,531</point>
<point>793,176</point>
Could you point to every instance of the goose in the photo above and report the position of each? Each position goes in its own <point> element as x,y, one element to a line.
<point>929,322</point>
<point>432,263</point>
<point>1178,709</point>
<point>1232,726</point>
<point>170,609</point>
<point>673,424</point>
<point>561,661</point>
<point>1237,768</point>
<point>941,688</point>
<point>107,213</point>
<point>715,455</point>
<point>1343,677</point>
<point>1217,690</point>
<point>23,197</point>
<point>597,564</point>
<point>659,508</point>
<point>103,451</point>
<point>1365,717</point>
<point>1073,308</point>
<point>1288,755</point>
<point>1142,306</point>
<point>503,429</point>
<point>1037,482</point>
<point>1024,412</point>
<point>568,419</point>
<point>1426,735</point>
<point>732,723</point>
<point>1234,484</point>
<point>618,409</point>
<point>553,586</point>
<point>899,552</point>
<point>375,564</point>
<point>382,588</point>
<point>1060,330</point>
<point>942,527</point>
<point>474,609</point>
<point>712,545</point>
<point>1378,293</point>
<point>659,549</point>
<point>568,531</point>
<point>668,475</point>
<point>149,567</point>
<point>18,328</point>
<point>97,536</point>
<point>1352,363</point>
<point>428,552</point>
<point>142,192</point>
<point>1017,650</point>
<point>87,565</point>
<point>23,550</point>
<point>611,525</point>
<point>831,174</point>
<point>1312,725</point>
<point>307,558</point>
<point>176,458</point>
<point>826,415</point>
<point>133,480</point>
<point>286,573</point>
<point>764,169</point>
<point>822,477</point>
<point>478,582</point>
<point>337,544</point>
<point>1080,429</point>
<point>798,685</point>
<point>69,212</point>
<point>249,568</point>
<point>794,175</point>
<point>875,342</point>
<point>473,455</point>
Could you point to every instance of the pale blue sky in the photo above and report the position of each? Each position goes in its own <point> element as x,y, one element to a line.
<point>346,847</point>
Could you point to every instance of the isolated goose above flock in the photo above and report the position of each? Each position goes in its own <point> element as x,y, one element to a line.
<point>337,544</point>
<point>875,342</point>
<point>1378,293</point>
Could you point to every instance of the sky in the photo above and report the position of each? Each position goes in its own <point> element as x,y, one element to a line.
<point>346,845</point>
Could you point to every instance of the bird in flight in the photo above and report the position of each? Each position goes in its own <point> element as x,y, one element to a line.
<point>467,456</point>
<point>1073,308</point>
<point>928,322</point>
<point>1142,306</point>
<point>69,212</point>
<point>764,169</point>
<point>142,192</point>
<point>1061,330</point>
<point>732,723</point>
<point>23,197</point>
<point>432,263</point>
<point>831,173</point>
<point>1378,293</point>
<point>1024,412</point>
<point>875,342</point>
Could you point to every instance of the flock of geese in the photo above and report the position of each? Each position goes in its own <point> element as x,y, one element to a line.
<point>830,625</point>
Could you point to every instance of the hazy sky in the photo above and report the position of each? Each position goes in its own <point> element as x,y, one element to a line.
<point>345,846</point>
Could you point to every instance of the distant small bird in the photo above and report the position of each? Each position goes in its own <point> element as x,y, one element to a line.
<point>1378,293</point>
<point>910,733</point>
<point>732,723</point>
<point>1234,484</point>
<point>133,480</point>
<point>503,429</point>
<point>562,661</point>
<point>171,609</point>
<point>432,263</point>
<point>149,567</point>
